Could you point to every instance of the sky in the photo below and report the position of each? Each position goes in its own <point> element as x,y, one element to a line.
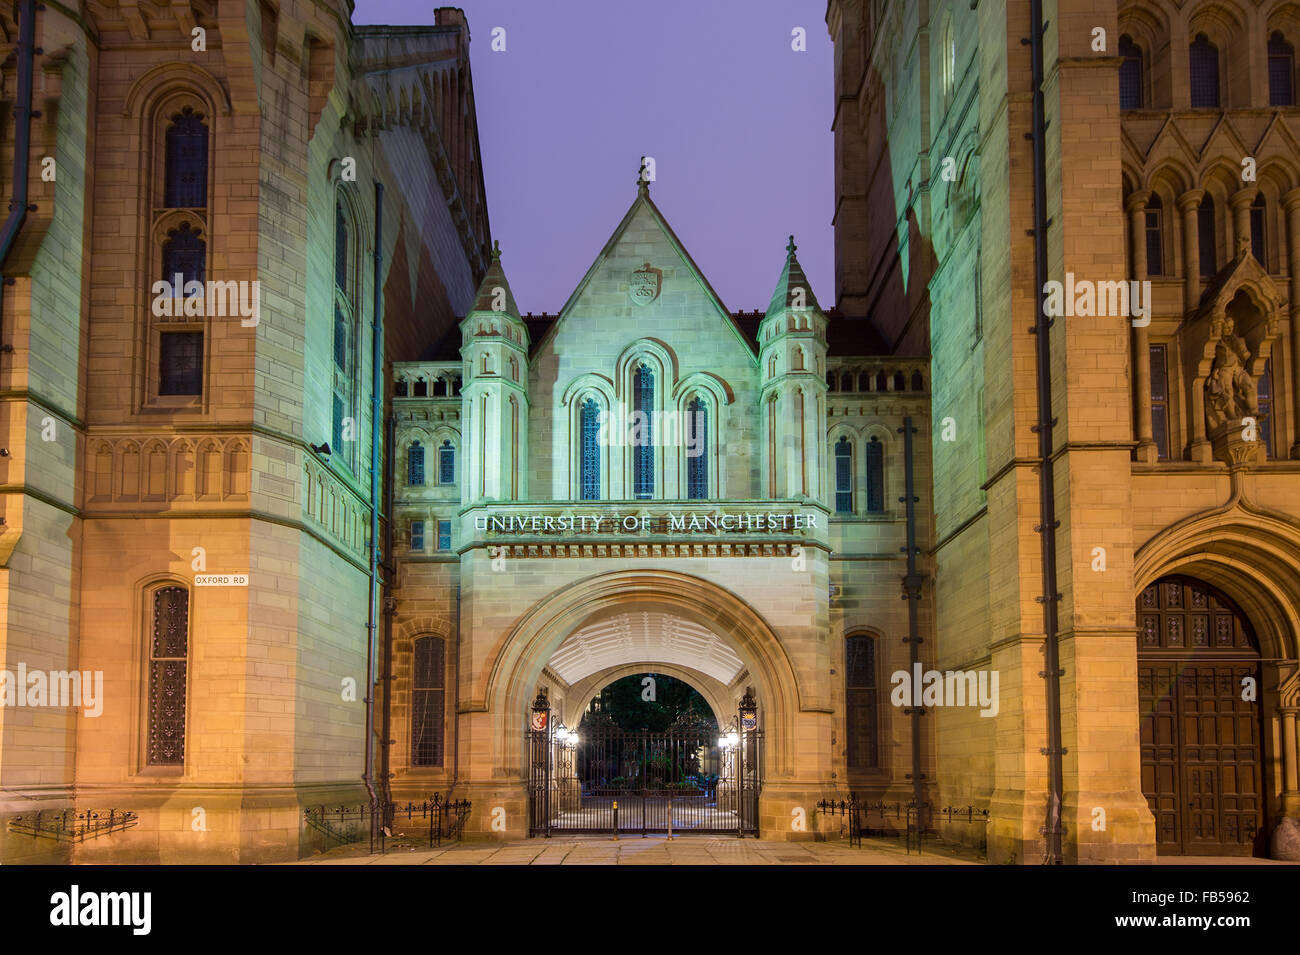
<point>738,123</point>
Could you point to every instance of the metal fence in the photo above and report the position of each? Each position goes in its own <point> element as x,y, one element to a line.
<point>899,819</point>
<point>70,825</point>
<point>344,825</point>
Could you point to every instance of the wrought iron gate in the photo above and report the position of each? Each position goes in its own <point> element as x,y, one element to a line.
<point>607,779</point>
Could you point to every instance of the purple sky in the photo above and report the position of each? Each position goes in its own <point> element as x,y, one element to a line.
<point>738,124</point>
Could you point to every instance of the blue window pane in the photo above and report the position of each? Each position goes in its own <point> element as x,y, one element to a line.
<point>184,255</point>
<point>186,185</point>
<point>340,248</point>
<point>697,467</point>
<point>843,477</point>
<point>590,450</point>
<point>444,535</point>
<point>875,476</point>
<point>340,340</point>
<point>1203,60</point>
<point>337,433</point>
<point>415,464</point>
<point>643,453</point>
<point>446,464</point>
<point>417,535</point>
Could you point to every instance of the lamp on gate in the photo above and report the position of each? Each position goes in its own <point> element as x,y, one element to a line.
<point>561,733</point>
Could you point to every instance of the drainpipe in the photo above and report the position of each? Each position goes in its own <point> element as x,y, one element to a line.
<point>23,115</point>
<point>1046,481</point>
<point>390,608</point>
<point>376,411</point>
<point>912,594</point>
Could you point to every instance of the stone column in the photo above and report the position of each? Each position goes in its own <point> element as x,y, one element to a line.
<point>1147,451</point>
<point>1291,203</point>
<point>1188,203</point>
<point>1290,776</point>
<point>1240,202</point>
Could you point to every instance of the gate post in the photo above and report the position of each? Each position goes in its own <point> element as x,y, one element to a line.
<point>539,783</point>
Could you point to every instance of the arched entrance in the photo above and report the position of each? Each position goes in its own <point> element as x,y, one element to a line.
<point>1201,733</point>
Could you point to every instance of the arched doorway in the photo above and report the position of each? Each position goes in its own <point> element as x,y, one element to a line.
<point>1201,731</point>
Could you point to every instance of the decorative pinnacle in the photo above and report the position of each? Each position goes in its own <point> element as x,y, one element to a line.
<point>789,249</point>
<point>642,182</point>
<point>496,248</point>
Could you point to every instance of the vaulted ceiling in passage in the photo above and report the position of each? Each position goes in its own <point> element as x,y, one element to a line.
<point>644,637</point>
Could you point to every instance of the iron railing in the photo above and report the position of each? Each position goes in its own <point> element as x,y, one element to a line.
<point>857,817</point>
<point>70,825</point>
<point>348,824</point>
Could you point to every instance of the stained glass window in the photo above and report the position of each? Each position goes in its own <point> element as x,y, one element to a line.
<point>643,452</point>
<point>180,363</point>
<point>446,464</point>
<point>875,476</point>
<point>444,535</point>
<point>415,464</point>
<point>168,656</point>
<point>697,467</point>
<point>1203,63</point>
<point>184,254</point>
<point>1130,74</point>
<point>843,477</point>
<point>1160,401</point>
<point>860,702</point>
<point>186,175</point>
<point>417,535</point>
<point>340,248</point>
<point>590,427</point>
<point>428,679</point>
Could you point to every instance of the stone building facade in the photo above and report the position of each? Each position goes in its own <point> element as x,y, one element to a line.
<point>158,435</point>
<point>1170,159</point>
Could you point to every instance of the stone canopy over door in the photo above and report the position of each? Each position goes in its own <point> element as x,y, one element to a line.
<point>1201,741</point>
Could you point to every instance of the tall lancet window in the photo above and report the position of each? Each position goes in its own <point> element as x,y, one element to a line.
<point>875,476</point>
<point>697,461</point>
<point>590,451</point>
<point>643,452</point>
<point>843,477</point>
<point>186,176</point>
<point>168,660</point>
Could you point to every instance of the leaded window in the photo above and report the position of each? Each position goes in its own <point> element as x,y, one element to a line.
<point>340,248</point>
<point>186,166</point>
<point>184,259</point>
<point>1258,232</point>
<point>1281,71</point>
<point>643,452</point>
<point>444,535</point>
<point>180,363</point>
<point>590,450</point>
<point>417,535</point>
<point>415,464</point>
<point>1203,64</point>
<point>860,702</point>
<point>843,476</point>
<point>446,463</point>
<point>168,659</point>
<point>428,688</point>
<point>1130,74</point>
<point>875,476</point>
<point>697,461</point>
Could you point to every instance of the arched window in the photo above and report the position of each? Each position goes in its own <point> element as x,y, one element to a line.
<point>643,452</point>
<point>590,450</point>
<point>860,702</point>
<point>415,464</point>
<point>344,382</point>
<point>184,259</point>
<point>875,476</point>
<point>1281,71</point>
<point>846,381</point>
<point>830,381</point>
<point>697,461</point>
<point>1154,222</point>
<point>428,703</point>
<point>446,463</point>
<point>864,381</point>
<point>947,60</point>
<point>1130,74</point>
<point>1259,231</point>
<point>186,164</point>
<point>400,388</point>
<point>1203,65</point>
<point>918,383</point>
<point>843,476</point>
<point>1205,236</point>
<point>168,663</point>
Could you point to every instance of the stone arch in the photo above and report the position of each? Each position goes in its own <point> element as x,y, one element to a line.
<point>511,684</point>
<point>581,694</point>
<point>1251,556</point>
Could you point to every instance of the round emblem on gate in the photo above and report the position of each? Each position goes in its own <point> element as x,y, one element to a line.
<point>643,286</point>
<point>539,720</point>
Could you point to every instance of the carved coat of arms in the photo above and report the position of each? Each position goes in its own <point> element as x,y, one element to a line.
<point>644,285</point>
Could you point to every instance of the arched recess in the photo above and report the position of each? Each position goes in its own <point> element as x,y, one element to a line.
<point>1252,557</point>
<point>513,681</point>
<point>581,694</point>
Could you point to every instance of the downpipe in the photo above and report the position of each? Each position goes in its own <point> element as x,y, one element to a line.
<point>1046,480</point>
<point>376,406</point>
<point>912,594</point>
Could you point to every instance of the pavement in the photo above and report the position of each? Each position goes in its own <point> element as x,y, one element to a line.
<point>653,850</point>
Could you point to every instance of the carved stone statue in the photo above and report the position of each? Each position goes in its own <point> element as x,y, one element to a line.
<point>1230,392</point>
